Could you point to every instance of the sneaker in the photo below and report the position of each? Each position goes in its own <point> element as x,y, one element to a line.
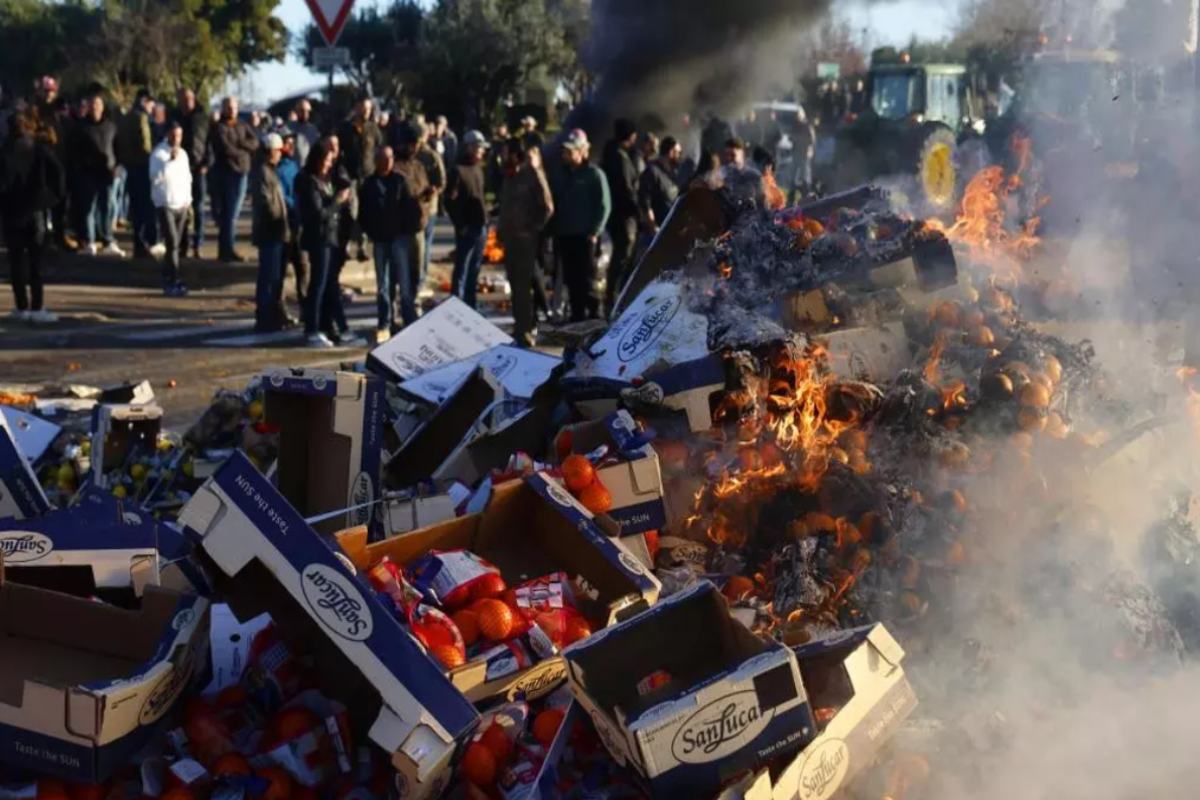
<point>351,339</point>
<point>43,317</point>
<point>113,249</point>
<point>158,250</point>
<point>382,335</point>
<point>93,249</point>
<point>318,340</point>
<point>17,315</point>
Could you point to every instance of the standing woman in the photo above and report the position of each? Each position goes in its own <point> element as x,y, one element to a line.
<point>31,184</point>
<point>320,205</point>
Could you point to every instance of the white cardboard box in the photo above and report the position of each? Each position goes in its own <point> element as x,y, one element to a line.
<point>21,494</point>
<point>449,333</point>
<point>519,371</point>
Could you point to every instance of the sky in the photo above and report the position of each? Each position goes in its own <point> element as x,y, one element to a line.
<point>883,22</point>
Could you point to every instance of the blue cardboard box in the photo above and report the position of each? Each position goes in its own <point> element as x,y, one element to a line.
<point>330,443</point>
<point>84,685</point>
<point>656,353</point>
<point>687,697</point>
<point>21,494</point>
<point>265,558</point>
<point>530,528</point>
<point>119,432</point>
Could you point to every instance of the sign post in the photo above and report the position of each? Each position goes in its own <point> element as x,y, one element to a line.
<point>331,17</point>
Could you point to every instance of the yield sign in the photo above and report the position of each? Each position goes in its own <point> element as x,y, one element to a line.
<point>331,16</point>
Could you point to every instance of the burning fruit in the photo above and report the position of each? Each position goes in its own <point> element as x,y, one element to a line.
<point>1034,395</point>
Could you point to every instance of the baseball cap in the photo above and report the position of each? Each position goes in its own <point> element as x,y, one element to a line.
<point>47,83</point>
<point>475,137</point>
<point>274,141</point>
<point>576,140</point>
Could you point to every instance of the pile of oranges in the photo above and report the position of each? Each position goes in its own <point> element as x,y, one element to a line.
<point>499,748</point>
<point>582,481</point>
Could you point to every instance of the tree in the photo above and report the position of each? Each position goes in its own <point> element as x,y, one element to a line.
<point>383,49</point>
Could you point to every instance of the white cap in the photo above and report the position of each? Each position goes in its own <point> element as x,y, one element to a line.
<point>274,141</point>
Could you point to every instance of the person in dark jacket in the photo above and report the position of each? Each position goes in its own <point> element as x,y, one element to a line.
<point>384,207</point>
<point>234,144</point>
<point>135,143</point>
<point>269,231</point>
<point>621,171</point>
<point>407,137</point>
<point>360,137</point>
<point>320,202</point>
<point>94,161</point>
<point>195,123</point>
<point>288,169</point>
<point>526,205</point>
<point>581,208</point>
<point>657,189</point>
<point>31,184</point>
<point>467,207</point>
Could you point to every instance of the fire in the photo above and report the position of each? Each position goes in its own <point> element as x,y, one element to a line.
<point>493,252</point>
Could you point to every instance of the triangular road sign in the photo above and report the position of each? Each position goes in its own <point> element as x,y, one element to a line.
<point>331,16</point>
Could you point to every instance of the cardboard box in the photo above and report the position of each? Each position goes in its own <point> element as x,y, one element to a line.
<point>857,671</point>
<point>450,332</point>
<point>876,354</point>
<point>83,685</point>
<point>119,432</point>
<point>264,558</point>
<point>520,371</point>
<point>21,494</point>
<point>330,442</point>
<point>635,482</point>
<point>655,354</point>
<point>530,528</point>
<point>34,435</point>
<point>95,545</point>
<point>731,701</point>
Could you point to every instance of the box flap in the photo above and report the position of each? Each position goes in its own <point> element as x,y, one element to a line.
<point>450,332</point>
<point>33,434</point>
<point>242,518</point>
<point>518,370</point>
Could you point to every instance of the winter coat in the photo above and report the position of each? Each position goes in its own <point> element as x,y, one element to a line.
<point>526,205</point>
<point>581,201</point>
<point>417,180</point>
<point>233,145</point>
<point>196,127</point>
<point>465,201</point>
<point>358,140</point>
<point>170,178</point>
<point>31,180</point>
<point>270,214</point>
<point>319,208</point>
<point>622,175</point>
<point>93,152</point>
<point>657,191</point>
<point>383,205</point>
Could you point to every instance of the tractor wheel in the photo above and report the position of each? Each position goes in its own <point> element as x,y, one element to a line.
<point>937,176</point>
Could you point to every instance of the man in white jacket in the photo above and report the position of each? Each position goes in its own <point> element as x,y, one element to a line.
<point>171,191</point>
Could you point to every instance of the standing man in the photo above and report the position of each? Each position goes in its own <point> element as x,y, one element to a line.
<point>194,122</point>
<point>359,137</point>
<point>288,169</point>
<point>496,168</point>
<point>622,175</point>
<point>447,141</point>
<point>581,208</point>
<point>171,192</point>
<point>526,206</point>
<point>435,170</point>
<point>734,154</point>
<point>307,133</point>
<point>467,207</point>
<point>412,169</point>
<point>270,234</point>
<point>390,216</point>
<point>136,141</point>
<point>94,160</point>
<point>233,143</point>
<point>657,189</point>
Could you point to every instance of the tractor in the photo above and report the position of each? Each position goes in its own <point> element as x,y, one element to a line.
<point>917,116</point>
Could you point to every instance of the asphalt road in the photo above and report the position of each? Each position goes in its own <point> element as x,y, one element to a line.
<point>116,325</point>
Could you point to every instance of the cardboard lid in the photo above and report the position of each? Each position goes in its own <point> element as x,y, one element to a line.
<point>33,434</point>
<point>519,371</point>
<point>316,382</point>
<point>880,639</point>
<point>241,518</point>
<point>450,332</point>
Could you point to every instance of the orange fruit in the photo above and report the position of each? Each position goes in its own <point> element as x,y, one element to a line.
<point>496,740</point>
<point>479,765</point>
<point>1031,419</point>
<point>948,314</point>
<point>1056,428</point>
<point>738,587</point>
<point>596,498</point>
<point>48,789</point>
<point>578,473</point>
<point>495,619</point>
<point>280,787</point>
<point>651,539</point>
<point>1052,367</point>
<point>448,655</point>
<point>231,764</point>
<point>178,793</point>
<point>1034,395</point>
<point>982,336</point>
<point>546,725</point>
<point>292,723</point>
<point>490,585</point>
<point>468,625</point>
<point>231,697</point>
<point>577,628</point>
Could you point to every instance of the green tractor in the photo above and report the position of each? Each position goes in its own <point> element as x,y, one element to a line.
<point>916,118</point>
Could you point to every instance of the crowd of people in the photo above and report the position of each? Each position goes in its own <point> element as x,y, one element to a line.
<point>377,180</point>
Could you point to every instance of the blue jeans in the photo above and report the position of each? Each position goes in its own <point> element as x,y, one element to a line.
<point>233,193</point>
<point>429,228</point>
<point>269,284</point>
<point>199,195</point>
<point>323,310</point>
<point>393,275</point>
<point>468,259</point>
<point>95,200</point>
<point>116,208</point>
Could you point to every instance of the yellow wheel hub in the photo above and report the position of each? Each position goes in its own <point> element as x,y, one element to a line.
<point>938,175</point>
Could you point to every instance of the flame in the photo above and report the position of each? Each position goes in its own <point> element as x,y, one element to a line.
<point>493,252</point>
